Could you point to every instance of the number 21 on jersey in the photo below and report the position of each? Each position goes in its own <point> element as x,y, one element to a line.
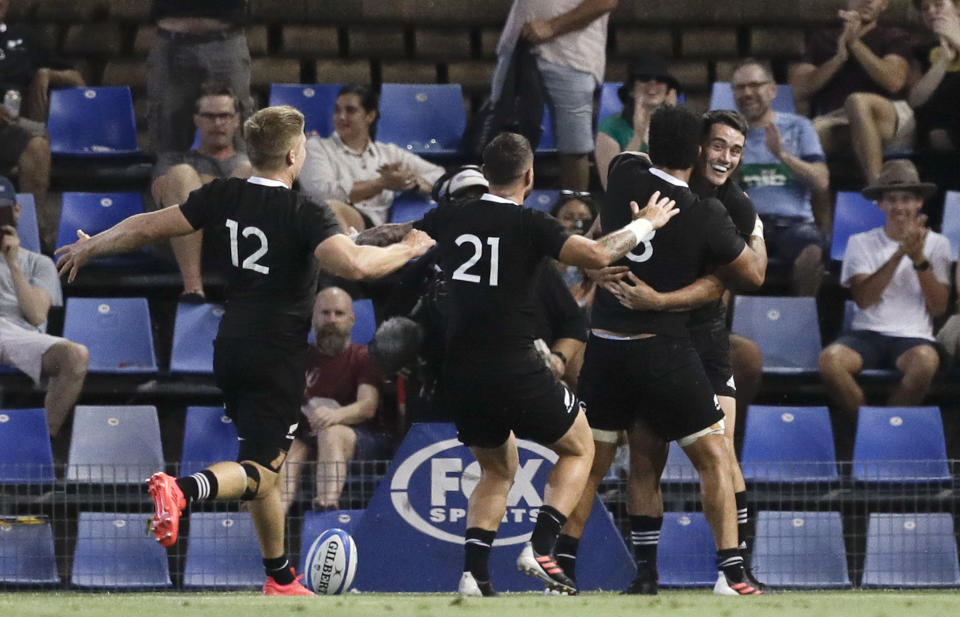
<point>250,263</point>
<point>463,274</point>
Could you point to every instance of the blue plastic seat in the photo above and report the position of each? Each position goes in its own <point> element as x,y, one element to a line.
<point>315,101</point>
<point>27,555</point>
<point>114,551</point>
<point>92,122</point>
<point>951,221</point>
<point>194,329</point>
<point>117,332</point>
<point>222,551</point>
<point>25,454</point>
<point>787,330</point>
<point>610,103</point>
<point>687,554</point>
<point>365,325</point>
<point>853,214</point>
<point>114,444</point>
<point>548,139</point>
<point>541,199</point>
<point>900,445</point>
<point>422,118</point>
<point>316,522</point>
<point>679,469</point>
<point>721,97</point>
<point>911,550</point>
<point>209,436</point>
<point>27,224</point>
<point>409,207</point>
<point>801,550</point>
<point>96,212</point>
<point>788,444</point>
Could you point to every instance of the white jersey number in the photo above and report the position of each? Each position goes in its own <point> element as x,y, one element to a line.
<point>647,252</point>
<point>250,263</point>
<point>461,273</point>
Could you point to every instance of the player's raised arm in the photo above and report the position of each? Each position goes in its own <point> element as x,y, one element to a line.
<point>340,256</point>
<point>127,235</point>
<point>586,253</point>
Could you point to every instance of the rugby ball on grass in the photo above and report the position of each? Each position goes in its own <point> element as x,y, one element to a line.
<point>331,563</point>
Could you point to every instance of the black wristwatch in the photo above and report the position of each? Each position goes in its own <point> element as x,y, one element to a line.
<point>560,355</point>
<point>923,265</point>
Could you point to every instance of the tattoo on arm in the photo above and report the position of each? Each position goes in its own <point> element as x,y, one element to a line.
<point>618,243</point>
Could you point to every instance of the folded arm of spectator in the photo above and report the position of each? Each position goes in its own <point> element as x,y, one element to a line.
<point>576,18</point>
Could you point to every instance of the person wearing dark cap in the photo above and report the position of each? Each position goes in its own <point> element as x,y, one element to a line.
<point>899,277</point>
<point>648,86</point>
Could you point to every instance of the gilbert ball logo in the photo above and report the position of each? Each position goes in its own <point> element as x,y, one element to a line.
<point>431,487</point>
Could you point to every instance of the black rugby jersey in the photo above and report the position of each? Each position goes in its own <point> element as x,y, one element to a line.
<point>490,251</point>
<point>265,237</point>
<point>669,258</point>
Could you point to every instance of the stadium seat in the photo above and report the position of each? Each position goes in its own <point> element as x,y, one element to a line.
<point>548,139</point>
<point>365,324</point>
<point>541,199</point>
<point>27,555</point>
<point>801,550</point>
<point>911,550</point>
<point>422,118</point>
<point>900,445</point>
<point>117,332</point>
<point>194,329</point>
<point>316,101</point>
<point>95,122</point>
<point>114,444</point>
<point>409,207</point>
<point>96,212</point>
<point>25,453</point>
<point>853,214</point>
<point>679,469</point>
<point>209,436</point>
<point>316,522</point>
<point>610,102</point>
<point>721,97</point>
<point>686,556</point>
<point>27,224</point>
<point>786,329</point>
<point>222,551</point>
<point>951,221</point>
<point>114,551</point>
<point>788,444</point>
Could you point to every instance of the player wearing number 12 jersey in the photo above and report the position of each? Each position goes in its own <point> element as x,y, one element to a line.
<point>274,240</point>
<point>493,381</point>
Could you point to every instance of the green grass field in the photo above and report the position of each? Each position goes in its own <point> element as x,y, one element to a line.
<point>667,604</point>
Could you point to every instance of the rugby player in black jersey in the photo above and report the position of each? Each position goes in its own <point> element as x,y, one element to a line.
<point>275,239</point>
<point>642,371</point>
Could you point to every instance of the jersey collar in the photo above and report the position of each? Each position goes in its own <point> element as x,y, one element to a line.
<point>497,198</point>
<point>266,182</point>
<point>668,178</point>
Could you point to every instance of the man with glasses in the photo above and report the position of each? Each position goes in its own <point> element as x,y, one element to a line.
<point>176,174</point>
<point>785,172</point>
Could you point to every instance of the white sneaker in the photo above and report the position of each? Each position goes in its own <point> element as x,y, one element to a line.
<point>468,587</point>
<point>723,587</point>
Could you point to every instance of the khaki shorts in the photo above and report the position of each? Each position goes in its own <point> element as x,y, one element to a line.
<point>903,137</point>
<point>24,348</point>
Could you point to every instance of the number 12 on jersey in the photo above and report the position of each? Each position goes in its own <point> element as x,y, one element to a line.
<point>462,274</point>
<point>250,263</point>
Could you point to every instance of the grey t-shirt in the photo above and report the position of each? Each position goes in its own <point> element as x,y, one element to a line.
<point>203,164</point>
<point>40,272</point>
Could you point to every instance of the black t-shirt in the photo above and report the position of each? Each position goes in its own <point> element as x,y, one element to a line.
<point>22,52</point>
<point>674,256</point>
<point>490,250</point>
<point>234,11</point>
<point>265,237</point>
<point>558,315</point>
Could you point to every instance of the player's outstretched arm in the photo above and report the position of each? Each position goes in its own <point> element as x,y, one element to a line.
<point>340,256</point>
<point>586,253</point>
<point>127,235</point>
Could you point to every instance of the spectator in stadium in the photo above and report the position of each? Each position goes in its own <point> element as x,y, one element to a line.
<point>576,211</point>
<point>177,174</point>
<point>785,172</point>
<point>28,66</point>
<point>569,38</point>
<point>339,421</point>
<point>350,167</point>
<point>899,277</point>
<point>29,286</point>
<point>197,42</point>
<point>854,78</point>
<point>934,96</point>
<point>648,86</point>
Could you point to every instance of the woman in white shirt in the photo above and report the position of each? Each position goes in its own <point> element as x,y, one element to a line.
<point>350,167</point>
